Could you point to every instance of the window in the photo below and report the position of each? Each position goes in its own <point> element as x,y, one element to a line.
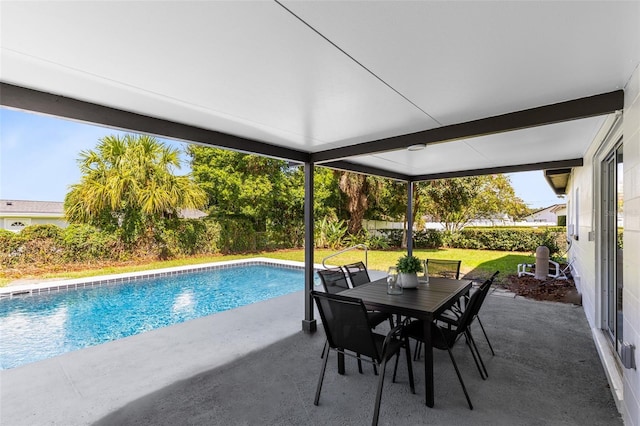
<point>16,224</point>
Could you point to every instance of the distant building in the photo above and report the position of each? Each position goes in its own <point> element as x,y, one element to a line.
<point>548,215</point>
<point>15,215</point>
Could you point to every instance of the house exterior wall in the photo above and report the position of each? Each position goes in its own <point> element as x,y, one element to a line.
<point>6,222</point>
<point>584,215</point>
<point>545,215</point>
<point>631,295</point>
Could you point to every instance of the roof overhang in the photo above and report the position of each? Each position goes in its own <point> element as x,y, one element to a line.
<point>558,179</point>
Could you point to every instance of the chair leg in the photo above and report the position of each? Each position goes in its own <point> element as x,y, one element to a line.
<point>376,410</point>
<point>418,349</point>
<point>395,367</point>
<point>324,349</point>
<point>460,378</point>
<point>468,340</point>
<point>409,365</point>
<point>359,363</point>
<point>475,347</point>
<point>485,336</point>
<point>321,378</point>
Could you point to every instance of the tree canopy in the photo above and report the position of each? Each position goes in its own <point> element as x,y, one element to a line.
<point>455,202</point>
<point>129,183</point>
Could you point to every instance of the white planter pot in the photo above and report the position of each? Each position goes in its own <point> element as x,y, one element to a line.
<point>408,280</point>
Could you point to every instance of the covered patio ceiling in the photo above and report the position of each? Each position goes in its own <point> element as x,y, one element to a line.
<point>487,86</point>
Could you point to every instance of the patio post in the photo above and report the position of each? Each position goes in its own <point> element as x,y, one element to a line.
<point>410,218</point>
<point>308,323</point>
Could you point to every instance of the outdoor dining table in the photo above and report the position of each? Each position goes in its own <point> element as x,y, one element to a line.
<point>425,302</point>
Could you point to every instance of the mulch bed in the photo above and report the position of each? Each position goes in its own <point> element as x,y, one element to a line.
<point>563,291</point>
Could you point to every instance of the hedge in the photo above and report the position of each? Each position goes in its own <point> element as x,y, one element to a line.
<point>522,239</point>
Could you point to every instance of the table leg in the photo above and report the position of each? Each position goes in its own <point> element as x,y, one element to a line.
<point>340,363</point>
<point>428,364</point>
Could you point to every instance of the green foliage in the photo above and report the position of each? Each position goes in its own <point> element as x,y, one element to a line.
<point>329,233</point>
<point>237,235</point>
<point>35,232</point>
<point>393,236</point>
<point>128,184</point>
<point>86,243</point>
<point>429,238</point>
<point>7,239</point>
<point>455,202</point>
<point>9,243</point>
<point>409,264</point>
<point>38,245</point>
<point>190,237</point>
<point>506,239</point>
<point>377,242</point>
<point>267,192</point>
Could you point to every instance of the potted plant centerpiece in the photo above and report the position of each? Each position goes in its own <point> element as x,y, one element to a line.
<point>408,268</point>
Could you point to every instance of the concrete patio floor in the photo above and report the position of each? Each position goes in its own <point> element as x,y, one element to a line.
<point>253,365</point>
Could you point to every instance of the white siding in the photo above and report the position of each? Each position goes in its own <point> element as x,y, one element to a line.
<point>631,296</point>
<point>586,250</point>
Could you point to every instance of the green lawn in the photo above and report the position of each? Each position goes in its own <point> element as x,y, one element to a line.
<point>475,263</point>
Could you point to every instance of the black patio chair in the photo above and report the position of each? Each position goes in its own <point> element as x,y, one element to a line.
<point>348,332</point>
<point>484,289</point>
<point>358,273</point>
<point>334,280</point>
<point>444,268</point>
<point>444,338</point>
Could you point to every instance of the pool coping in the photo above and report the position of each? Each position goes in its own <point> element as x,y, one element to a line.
<point>112,279</point>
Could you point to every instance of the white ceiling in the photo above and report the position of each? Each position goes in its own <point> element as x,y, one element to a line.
<point>312,76</point>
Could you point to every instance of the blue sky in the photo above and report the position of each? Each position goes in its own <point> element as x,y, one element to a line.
<point>38,159</point>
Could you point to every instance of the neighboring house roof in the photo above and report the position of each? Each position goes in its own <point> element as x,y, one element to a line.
<point>31,208</point>
<point>23,208</point>
<point>191,214</point>
<point>551,209</point>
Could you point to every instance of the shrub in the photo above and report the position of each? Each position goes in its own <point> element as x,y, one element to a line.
<point>429,238</point>
<point>40,245</point>
<point>86,243</point>
<point>508,239</point>
<point>237,235</point>
<point>35,232</point>
<point>9,243</point>
<point>393,236</point>
<point>329,233</point>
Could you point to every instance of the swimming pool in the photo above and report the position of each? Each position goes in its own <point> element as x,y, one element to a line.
<point>44,325</point>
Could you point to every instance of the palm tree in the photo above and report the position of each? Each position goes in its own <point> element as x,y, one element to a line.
<point>128,183</point>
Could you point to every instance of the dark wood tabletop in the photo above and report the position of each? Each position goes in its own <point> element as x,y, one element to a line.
<point>424,302</point>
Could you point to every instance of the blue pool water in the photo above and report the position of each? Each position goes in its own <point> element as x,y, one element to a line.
<point>42,326</point>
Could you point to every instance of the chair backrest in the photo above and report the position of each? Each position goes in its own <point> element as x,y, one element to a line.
<point>484,291</point>
<point>471,310</point>
<point>357,273</point>
<point>346,323</point>
<point>444,268</point>
<point>333,280</point>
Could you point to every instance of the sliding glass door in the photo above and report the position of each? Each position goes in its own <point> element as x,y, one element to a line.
<point>612,231</point>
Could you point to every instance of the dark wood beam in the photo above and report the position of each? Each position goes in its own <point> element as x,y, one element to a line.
<point>64,107</point>
<point>591,106</point>
<point>576,162</point>
<point>366,170</point>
